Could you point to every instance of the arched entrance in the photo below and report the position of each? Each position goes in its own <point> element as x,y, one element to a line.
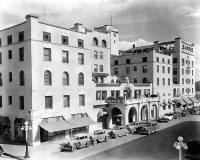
<point>153,112</point>
<point>102,117</point>
<point>144,113</point>
<point>116,116</point>
<point>132,115</point>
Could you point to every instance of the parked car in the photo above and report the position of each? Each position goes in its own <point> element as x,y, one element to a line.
<point>133,127</point>
<point>169,116</point>
<point>185,113</point>
<point>193,150</point>
<point>177,115</point>
<point>149,128</point>
<point>100,136</point>
<point>118,131</point>
<point>163,119</point>
<point>194,111</point>
<point>79,141</point>
<point>1,150</point>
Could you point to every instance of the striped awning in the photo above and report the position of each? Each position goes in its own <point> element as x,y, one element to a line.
<point>193,99</point>
<point>180,101</point>
<point>187,100</point>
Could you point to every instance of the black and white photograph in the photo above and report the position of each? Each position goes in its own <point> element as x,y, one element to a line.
<point>99,80</point>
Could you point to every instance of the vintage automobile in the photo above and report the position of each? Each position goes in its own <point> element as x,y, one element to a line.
<point>79,141</point>
<point>133,127</point>
<point>193,151</point>
<point>100,136</point>
<point>118,131</point>
<point>149,128</point>
<point>169,116</point>
<point>194,111</point>
<point>163,119</point>
<point>177,115</point>
<point>1,150</point>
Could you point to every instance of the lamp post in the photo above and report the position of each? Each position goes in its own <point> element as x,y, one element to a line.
<point>25,128</point>
<point>180,145</point>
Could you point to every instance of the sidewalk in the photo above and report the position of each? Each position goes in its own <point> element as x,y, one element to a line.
<point>51,150</point>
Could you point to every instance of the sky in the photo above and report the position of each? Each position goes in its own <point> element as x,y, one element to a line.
<point>139,21</point>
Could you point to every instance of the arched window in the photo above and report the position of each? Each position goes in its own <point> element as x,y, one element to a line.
<point>47,78</point>
<point>157,81</point>
<point>163,81</point>
<point>168,81</point>
<point>144,80</point>
<point>95,41</point>
<point>65,79</point>
<point>104,43</point>
<point>21,78</point>
<point>81,79</point>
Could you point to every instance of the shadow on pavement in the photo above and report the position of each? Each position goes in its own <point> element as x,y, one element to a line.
<point>7,141</point>
<point>12,156</point>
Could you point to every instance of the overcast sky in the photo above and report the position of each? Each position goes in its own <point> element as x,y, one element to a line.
<point>138,21</point>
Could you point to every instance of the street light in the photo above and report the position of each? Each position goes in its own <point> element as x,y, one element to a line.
<point>26,128</point>
<point>180,145</point>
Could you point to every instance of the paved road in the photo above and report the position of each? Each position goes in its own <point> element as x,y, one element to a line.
<point>158,146</point>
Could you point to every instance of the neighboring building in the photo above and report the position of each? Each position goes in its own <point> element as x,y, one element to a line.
<point>169,66</point>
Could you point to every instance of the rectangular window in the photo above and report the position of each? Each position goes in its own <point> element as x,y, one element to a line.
<point>21,102</point>
<point>175,71</point>
<point>66,101</point>
<point>95,55</point>
<point>128,61</point>
<point>104,95</point>
<point>182,80</point>
<point>0,42</point>
<point>183,62</point>
<point>135,68</point>
<point>101,68</point>
<point>1,80</point>
<point>47,36</point>
<point>65,57</point>
<point>117,93</point>
<point>158,68</point>
<point>9,100</point>
<point>10,77</point>
<point>21,54</point>
<point>80,58</point>
<point>182,90</point>
<point>21,36</point>
<point>98,95</point>
<point>48,102</point>
<point>81,100</point>
<point>163,69</point>
<point>145,69</point>
<point>174,60</point>
<point>168,61</point>
<point>144,59</point>
<point>65,40</point>
<point>95,68</point>
<point>80,43</point>
<point>163,60</point>
<point>116,71</point>
<point>112,93</point>
<point>128,70</point>
<point>0,58</point>
<point>116,62</point>
<point>9,54</point>
<point>157,59</point>
<point>135,80</point>
<point>100,55</point>
<point>9,39</point>
<point>168,69</point>
<point>0,101</point>
<point>47,54</point>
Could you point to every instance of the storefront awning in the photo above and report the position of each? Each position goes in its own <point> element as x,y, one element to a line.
<point>80,122</point>
<point>193,99</point>
<point>59,125</point>
<point>180,101</point>
<point>187,100</point>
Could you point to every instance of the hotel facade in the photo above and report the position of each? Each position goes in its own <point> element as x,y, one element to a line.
<point>59,80</point>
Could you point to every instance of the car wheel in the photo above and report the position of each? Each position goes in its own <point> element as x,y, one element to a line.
<point>95,142</point>
<point>87,144</point>
<point>106,139</point>
<point>78,146</point>
<point>73,148</point>
<point>149,131</point>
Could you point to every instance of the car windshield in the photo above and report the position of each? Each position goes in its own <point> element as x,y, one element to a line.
<point>76,138</point>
